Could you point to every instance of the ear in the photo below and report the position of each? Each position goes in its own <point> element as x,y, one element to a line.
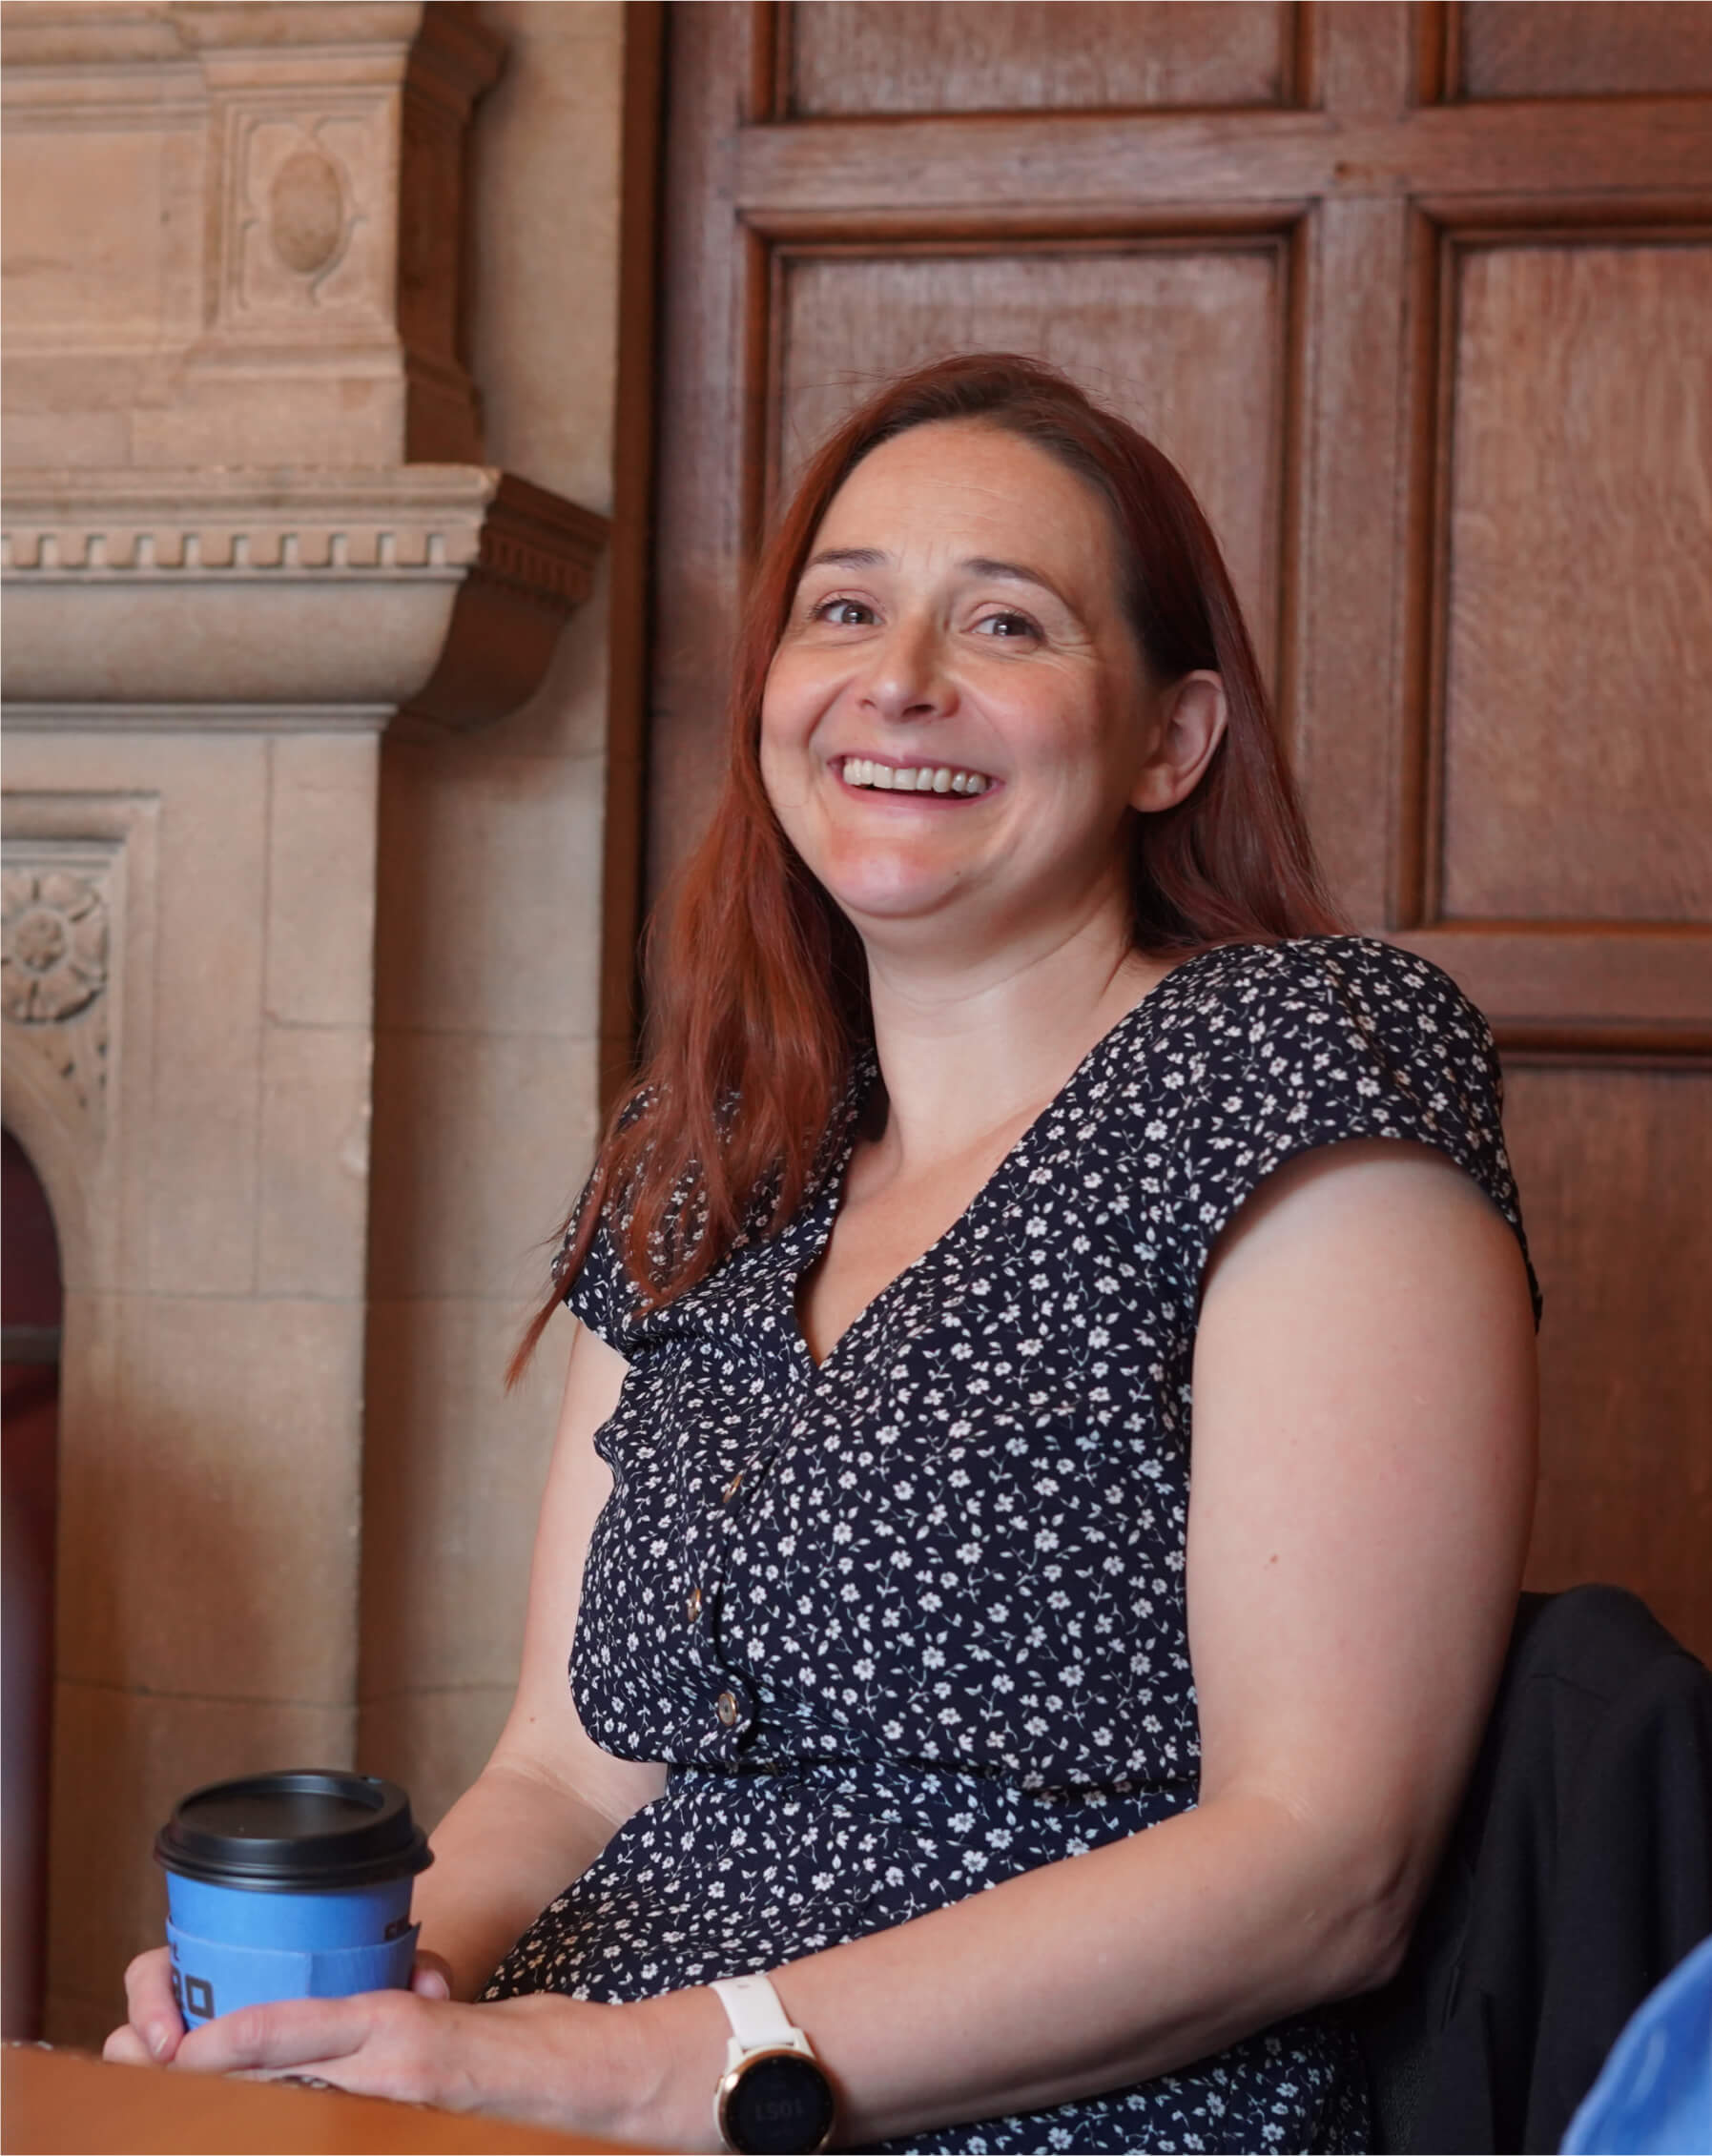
<point>1189,719</point>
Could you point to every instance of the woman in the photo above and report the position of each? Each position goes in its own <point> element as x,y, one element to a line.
<point>1009,1095</point>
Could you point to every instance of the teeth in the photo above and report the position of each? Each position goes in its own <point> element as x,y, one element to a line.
<point>912,778</point>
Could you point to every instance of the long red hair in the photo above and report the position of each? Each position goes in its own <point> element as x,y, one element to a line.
<point>758,988</point>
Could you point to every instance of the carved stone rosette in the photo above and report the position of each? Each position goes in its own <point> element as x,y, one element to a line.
<point>55,952</point>
<point>53,944</point>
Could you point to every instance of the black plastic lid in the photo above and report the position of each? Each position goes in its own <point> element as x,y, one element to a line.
<point>293,1833</point>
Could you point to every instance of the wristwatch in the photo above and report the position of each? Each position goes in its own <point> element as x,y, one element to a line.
<point>774,2097</point>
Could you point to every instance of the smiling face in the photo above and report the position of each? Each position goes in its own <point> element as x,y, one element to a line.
<point>957,719</point>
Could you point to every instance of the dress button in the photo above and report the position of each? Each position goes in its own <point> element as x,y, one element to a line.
<point>726,1708</point>
<point>731,1489</point>
<point>693,1605</point>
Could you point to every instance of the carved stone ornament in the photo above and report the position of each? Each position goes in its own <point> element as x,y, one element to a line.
<point>273,272</point>
<point>307,221</point>
<point>57,932</point>
<point>311,598</point>
<point>53,944</point>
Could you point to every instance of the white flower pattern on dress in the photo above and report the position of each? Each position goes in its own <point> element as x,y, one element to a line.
<point>910,1622</point>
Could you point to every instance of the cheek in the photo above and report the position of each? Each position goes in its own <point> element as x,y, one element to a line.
<point>792,704</point>
<point>783,705</point>
<point>783,774</point>
<point>773,743</point>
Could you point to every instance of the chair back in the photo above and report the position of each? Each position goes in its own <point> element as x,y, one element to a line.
<point>1578,1875</point>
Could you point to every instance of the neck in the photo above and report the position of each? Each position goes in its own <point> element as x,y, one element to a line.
<point>968,1053</point>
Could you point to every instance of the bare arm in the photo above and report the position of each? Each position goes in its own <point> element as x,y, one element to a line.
<point>550,1798</point>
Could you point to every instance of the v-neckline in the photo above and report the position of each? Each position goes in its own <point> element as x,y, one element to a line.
<point>829,1200</point>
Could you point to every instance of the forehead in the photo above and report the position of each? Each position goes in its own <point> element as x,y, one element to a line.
<point>965,486</point>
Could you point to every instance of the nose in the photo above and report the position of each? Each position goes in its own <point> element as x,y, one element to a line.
<point>907,679</point>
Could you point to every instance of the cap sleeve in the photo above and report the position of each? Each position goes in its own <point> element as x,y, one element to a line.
<point>1328,1039</point>
<point>601,1291</point>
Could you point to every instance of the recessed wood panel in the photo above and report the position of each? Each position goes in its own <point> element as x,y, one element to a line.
<point>1186,345</point>
<point>1576,729</point>
<point>1583,47</point>
<point>851,57</point>
<point>1614,1167</point>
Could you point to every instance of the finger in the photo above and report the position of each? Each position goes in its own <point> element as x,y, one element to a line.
<point>149,2005</point>
<point>431,1978</point>
<point>125,2048</point>
<point>293,2032</point>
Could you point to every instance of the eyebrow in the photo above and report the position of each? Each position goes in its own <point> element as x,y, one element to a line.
<point>977,564</point>
<point>847,558</point>
<point>1018,573</point>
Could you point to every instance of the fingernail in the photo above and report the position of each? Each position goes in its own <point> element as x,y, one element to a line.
<point>160,2042</point>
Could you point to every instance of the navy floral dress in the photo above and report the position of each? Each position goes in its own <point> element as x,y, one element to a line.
<point>912,1621</point>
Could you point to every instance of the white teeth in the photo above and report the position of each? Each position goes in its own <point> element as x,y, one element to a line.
<point>912,778</point>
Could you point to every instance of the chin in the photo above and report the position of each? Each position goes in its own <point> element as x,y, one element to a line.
<point>895,905</point>
<point>861,879</point>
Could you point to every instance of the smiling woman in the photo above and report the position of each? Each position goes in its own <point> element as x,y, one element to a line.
<point>760,992</point>
<point>943,1768</point>
<point>905,661</point>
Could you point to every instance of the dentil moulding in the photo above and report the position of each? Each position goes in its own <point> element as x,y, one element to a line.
<point>284,599</point>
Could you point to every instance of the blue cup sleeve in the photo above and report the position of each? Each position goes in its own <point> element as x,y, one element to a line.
<point>211,1978</point>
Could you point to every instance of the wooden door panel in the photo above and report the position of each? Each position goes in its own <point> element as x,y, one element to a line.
<point>1577,715</point>
<point>1614,1166</point>
<point>1188,343</point>
<point>1581,48</point>
<point>1105,170</point>
<point>887,56</point>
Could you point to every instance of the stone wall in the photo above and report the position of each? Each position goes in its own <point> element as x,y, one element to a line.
<point>295,1509</point>
<point>487,966</point>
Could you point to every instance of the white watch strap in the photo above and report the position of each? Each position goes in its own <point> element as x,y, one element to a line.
<point>757,2017</point>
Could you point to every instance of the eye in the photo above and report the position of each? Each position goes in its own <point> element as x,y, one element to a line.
<point>844,613</point>
<point>1007,627</point>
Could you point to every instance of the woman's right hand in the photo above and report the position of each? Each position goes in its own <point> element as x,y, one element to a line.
<point>153,2033</point>
<point>154,2027</point>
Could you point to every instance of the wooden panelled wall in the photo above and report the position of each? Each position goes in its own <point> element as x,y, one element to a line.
<point>1421,297</point>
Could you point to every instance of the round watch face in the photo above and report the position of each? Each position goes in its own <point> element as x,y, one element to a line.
<point>782,2101</point>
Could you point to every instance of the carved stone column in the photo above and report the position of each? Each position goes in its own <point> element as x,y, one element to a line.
<point>246,526</point>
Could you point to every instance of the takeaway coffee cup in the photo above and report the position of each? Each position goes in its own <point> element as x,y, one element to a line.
<point>289,1886</point>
